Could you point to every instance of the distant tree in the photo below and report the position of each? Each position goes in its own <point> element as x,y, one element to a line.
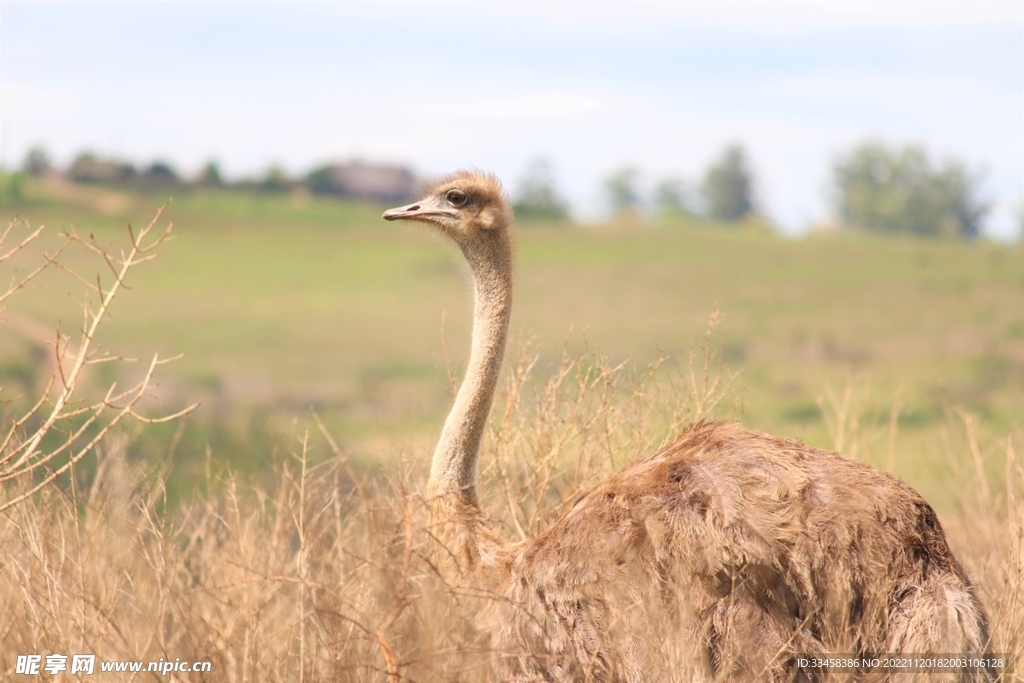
<point>11,186</point>
<point>537,196</point>
<point>885,189</point>
<point>125,170</point>
<point>37,162</point>
<point>621,187</point>
<point>275,180</point>
<point>160,173</point>
<point>728,186</point>
<point>81,168</point>
<point>321,180</point>
<point>671,196</point>
<point>210,175</point>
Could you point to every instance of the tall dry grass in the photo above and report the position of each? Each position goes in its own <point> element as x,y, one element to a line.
<point>326,573</point>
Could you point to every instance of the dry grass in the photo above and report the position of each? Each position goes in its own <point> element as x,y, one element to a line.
<point>327,574</point>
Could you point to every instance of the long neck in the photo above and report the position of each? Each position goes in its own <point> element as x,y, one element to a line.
<point>453,471</point>
<point>463,546</point>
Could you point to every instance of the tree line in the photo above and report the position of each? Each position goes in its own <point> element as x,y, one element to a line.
<point>88,167</point>
<point>355,179</point>
<point>874,187</point>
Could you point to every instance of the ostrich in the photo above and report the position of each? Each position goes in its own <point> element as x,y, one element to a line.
<point>722,556</point>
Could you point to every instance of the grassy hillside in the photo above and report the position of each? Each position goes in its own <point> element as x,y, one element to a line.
<point>285,302</point>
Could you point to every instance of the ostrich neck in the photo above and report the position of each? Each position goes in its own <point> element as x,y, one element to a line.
<point>453,472</point>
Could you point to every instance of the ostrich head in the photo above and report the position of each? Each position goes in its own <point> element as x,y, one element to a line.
<point>469,208</point>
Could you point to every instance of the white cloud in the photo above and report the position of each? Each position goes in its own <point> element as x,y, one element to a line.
<point>759,16</point>
<point>532,106</point>
<point>31,100</point>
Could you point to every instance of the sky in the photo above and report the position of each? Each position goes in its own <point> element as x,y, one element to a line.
<point>590,86</point>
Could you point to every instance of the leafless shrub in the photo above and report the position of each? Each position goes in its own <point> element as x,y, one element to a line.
<point>23,455</point>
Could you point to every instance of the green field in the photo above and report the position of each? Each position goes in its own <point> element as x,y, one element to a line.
<point>282,302</point>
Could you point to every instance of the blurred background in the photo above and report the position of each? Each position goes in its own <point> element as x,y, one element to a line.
<point>843,181</point>
<point>593,88</point>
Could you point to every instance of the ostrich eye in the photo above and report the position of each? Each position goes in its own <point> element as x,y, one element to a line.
<point>456,197</point>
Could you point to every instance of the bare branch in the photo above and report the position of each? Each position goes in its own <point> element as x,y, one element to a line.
<point>48,260</point>
<point>167,418</point>
<point>22,454</point>
<point>21,245</point>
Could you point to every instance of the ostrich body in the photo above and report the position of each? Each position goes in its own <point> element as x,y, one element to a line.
<point>723,556</point>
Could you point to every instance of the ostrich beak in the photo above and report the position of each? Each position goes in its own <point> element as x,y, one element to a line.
<point>425,209</point>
